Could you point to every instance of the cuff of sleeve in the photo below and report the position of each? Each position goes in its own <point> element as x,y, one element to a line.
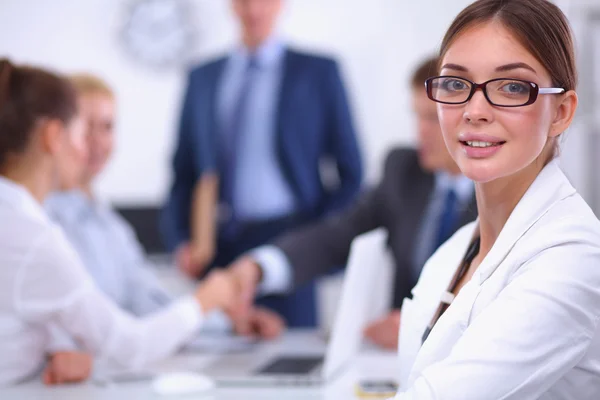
<point>61,344</point>
<point>276,269</point>
<point>190,311</point>
<point>217,322</point>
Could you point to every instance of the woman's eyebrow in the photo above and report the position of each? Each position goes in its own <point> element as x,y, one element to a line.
<point>502,68</point>
<point>455,67</point>
<point>513,66</point>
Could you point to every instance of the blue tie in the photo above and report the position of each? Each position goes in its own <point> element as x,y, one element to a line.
<point>230,144</point>
<point>448,219</point>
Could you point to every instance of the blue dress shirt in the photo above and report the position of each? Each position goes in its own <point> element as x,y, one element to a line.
<point>260,190</point>
<point>110,251</point>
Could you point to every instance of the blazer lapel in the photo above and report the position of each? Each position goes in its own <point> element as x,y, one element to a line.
<point>214,81</point>
<point>284,104</point>
<point>408,220</point>
<point>550,186</point>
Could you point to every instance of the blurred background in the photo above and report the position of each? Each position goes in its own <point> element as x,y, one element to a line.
<point>144,48</point>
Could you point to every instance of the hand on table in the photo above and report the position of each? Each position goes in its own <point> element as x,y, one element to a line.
<point>67,367</point>
<point>260,323</point>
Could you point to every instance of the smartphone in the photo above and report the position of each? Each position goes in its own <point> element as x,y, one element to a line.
<point>376,389</point>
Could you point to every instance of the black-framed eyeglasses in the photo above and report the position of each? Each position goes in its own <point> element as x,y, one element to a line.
<point>501,92</point>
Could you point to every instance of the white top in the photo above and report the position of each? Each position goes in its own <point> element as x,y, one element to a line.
<point>526,326</point>
<point>43,284</point>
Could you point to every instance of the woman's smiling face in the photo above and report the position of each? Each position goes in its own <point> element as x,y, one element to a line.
<point>513,138</point>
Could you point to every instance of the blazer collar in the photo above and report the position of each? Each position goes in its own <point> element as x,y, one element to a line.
<point>550,187</point>
<point>268,54</point>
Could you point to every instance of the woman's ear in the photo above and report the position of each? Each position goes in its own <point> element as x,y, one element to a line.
<point>51,135</point>
<point>565,111</point>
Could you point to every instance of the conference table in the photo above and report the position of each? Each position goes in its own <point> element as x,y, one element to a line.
<point>370,364</point>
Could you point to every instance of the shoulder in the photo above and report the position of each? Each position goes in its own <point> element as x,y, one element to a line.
<point>569,225</point>
<point>207,68</point>
<point>119,223</point>
<point>403,161</point>
<point>404,156</point>
<point>312,61</point>
<point>53,260</point>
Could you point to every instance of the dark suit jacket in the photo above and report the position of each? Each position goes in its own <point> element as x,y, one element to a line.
<point>313,124</point>
<point>398,204</point>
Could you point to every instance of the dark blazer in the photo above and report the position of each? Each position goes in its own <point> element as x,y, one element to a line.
<point>398,204</point>
<point>313,124</point>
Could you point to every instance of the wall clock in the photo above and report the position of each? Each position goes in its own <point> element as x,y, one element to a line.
<point>159,33</point>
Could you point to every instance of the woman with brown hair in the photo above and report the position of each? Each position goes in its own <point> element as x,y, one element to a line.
<point>42,281</point>
<point>508,308</point>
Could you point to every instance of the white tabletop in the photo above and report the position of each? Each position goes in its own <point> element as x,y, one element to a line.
<point>371,364</point>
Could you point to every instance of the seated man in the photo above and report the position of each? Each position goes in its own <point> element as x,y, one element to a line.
<point>105,242</point>
<point>421,200</point>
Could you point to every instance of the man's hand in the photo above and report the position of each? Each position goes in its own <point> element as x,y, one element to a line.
<point>67,367</point>
<point>384,332</point>
<point>247,274</point>
<point>192,259</point>
<point>219,290</point>
<point>261,323</point>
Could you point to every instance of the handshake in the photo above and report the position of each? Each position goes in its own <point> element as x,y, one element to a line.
<point>233,290</point>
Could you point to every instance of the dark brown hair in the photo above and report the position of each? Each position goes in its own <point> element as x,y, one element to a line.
<point>426,69</point>
<point>28,94</point>
<point>539,25</point>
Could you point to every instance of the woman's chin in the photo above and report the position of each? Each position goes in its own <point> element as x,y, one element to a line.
<point>478,171</point>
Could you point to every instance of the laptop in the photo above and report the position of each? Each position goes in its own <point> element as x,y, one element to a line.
<point>368,264</point>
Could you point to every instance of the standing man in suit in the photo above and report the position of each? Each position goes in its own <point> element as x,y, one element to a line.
<point>256,127</point>
<point>421,201</point>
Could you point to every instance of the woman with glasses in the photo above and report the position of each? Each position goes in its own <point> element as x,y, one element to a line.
<point>509,307</point>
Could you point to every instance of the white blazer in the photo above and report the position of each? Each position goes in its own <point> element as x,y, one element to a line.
<point>526,326</point>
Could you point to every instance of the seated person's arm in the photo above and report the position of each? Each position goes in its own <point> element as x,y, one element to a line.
<point>57,289</point>
<point>314,250</point>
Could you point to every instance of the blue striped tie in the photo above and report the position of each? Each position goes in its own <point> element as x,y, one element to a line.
<point>230,144</point>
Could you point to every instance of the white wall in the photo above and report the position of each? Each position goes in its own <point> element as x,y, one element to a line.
<point>377,42</point>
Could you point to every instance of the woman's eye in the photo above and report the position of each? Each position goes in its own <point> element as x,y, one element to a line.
<point>454,85</point>
<point>514,88</point>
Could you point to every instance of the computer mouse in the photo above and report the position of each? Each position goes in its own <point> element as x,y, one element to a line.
<point>179,383</point>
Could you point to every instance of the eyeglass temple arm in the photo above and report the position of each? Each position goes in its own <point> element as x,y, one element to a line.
<point>551,90</point>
